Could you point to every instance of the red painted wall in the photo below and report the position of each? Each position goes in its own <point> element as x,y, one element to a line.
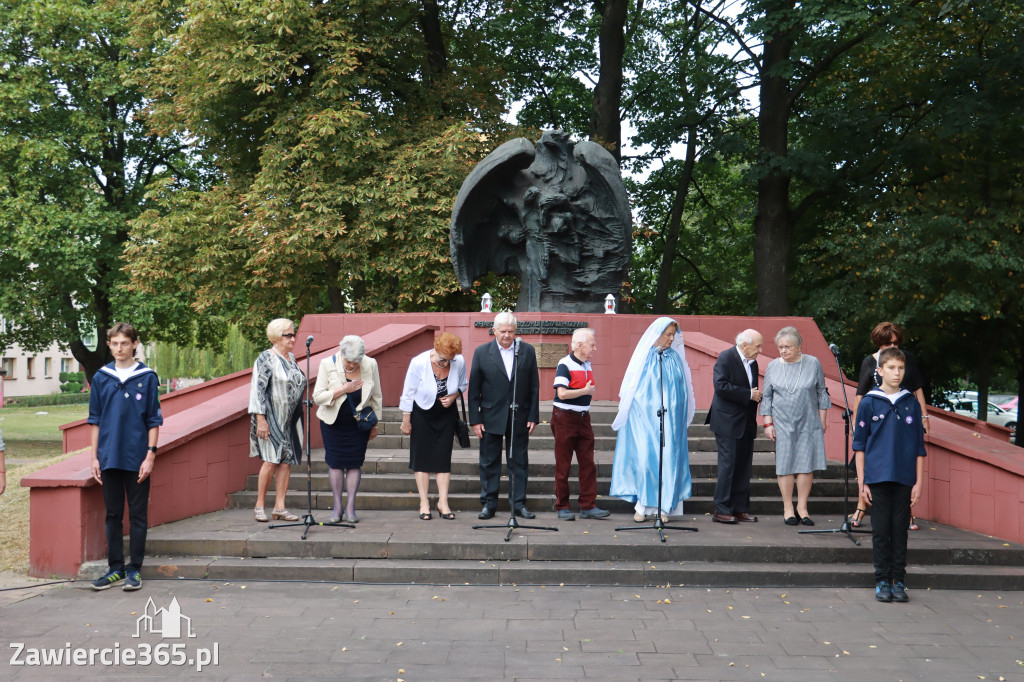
<point>974,478</point>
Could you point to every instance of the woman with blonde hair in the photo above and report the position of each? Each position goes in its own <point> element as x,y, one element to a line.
<point>275,430</point>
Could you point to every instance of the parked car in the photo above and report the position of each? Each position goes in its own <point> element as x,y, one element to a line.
<point>1010,405</point>
<point>962,404</point>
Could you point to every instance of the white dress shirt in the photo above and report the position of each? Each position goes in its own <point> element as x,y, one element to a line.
<point>508,356</point>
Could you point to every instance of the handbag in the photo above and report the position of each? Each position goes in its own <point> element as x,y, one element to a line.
<point>462,426</point>
<point>366,418</point>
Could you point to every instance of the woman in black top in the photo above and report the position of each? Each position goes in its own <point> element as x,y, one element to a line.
<point>888,335</point>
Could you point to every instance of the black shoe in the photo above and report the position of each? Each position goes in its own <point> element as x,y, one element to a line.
<point>525,513</point>
<point>486,513</point>
<point>899,593</point>
<point>883,591</point>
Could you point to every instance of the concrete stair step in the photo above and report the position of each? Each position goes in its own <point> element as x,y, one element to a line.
<point>542,441</point>
<point>601,412</point>
<point>403,483</point>
<point>638,573</point>
<point>703,464</point>
<point>469,503</point>
<point>397,547</point>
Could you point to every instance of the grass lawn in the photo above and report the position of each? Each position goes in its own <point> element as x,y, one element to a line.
<point>34,432</point>
<point>29,433</point>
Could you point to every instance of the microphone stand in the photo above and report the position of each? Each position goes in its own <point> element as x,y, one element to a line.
<point>845,528</point>
<point>659,525</point>
<point>514,407</point>
<point>307,518</point>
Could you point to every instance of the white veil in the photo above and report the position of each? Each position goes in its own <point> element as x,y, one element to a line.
<point>636,366</point>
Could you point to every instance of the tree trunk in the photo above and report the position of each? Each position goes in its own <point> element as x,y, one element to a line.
<point>334,297</point>
<point>92,360</point>
<point>773,225</point>
<point>430,24</point>
<point>605,119</point>
<point>984,373</point>
<point>668,256</point>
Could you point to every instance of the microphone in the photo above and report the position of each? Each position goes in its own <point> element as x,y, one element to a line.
<point>517,343</point>
<point>309,341</point>
<point>834,348</point>
<point>661,351</point>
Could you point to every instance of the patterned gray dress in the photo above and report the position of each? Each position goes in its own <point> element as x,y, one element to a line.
<point>278,386</point>
<point>793,394</point>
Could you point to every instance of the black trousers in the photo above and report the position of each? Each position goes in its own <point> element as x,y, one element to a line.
<point>518,462</point>
<point>890,519</point>
<point>735,465</point>
<point>119,485</point>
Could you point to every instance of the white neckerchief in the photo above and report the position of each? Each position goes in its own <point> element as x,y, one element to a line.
<point>891,397</point>
<point>124,373</point>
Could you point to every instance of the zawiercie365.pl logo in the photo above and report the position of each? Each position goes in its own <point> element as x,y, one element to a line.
<point>170,623</point>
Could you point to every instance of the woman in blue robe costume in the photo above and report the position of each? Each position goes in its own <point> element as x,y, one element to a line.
<point>635,469</point>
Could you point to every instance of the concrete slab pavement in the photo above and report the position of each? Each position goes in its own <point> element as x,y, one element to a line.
<point>304,630</point>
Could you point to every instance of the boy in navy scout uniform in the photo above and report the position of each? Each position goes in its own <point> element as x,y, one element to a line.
<point>124,410</point>
<point>888,442</point>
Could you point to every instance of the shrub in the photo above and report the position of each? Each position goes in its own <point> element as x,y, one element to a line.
<point>72,382</point>
<point>52,399</point>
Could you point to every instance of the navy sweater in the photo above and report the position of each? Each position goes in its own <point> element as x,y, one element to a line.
<point>125,412</point>
<point>891,436</point>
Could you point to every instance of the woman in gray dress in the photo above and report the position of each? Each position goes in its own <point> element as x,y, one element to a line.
<point>275,430</point>
<point>795,407</point>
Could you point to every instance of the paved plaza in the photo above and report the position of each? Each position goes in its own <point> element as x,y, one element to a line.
<point>299,631</point>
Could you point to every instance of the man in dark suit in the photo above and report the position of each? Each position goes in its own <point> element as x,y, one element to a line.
<point>492,377</point>
<point>733,419</point>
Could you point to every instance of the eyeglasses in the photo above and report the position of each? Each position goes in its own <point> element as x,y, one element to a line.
<point>288,336</point>
<point>443,362</point>
<point>782,348</point>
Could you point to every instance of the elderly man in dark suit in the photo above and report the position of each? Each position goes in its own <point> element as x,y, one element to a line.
<point>733,419</point>
<point>494,373</point>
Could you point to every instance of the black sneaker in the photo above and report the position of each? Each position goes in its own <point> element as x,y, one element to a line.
<point>133,581</point>
<point>899,593</point>
<point>109,580</point>
<point>883,591</point>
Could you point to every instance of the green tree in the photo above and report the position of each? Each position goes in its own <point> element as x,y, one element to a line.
<point>341,132</point>
<point>232,352</point>
<point>934,242</point>
<point>75,162</point>
<point>684,96</point>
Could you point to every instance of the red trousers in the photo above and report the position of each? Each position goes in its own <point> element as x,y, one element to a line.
<point>572,431</point>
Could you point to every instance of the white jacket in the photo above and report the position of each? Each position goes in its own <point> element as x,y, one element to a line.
<point>421,387</point>
<point>332,376</point>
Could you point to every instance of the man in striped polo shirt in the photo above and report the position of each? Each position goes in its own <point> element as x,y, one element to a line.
<point>570,425</point>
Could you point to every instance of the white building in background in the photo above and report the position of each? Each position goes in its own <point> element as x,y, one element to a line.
<point>34,373</point>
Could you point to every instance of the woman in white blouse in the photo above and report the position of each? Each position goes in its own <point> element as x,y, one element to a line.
<point>433,383</point>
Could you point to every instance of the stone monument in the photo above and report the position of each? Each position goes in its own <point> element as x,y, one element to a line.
<point>555,213</point>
